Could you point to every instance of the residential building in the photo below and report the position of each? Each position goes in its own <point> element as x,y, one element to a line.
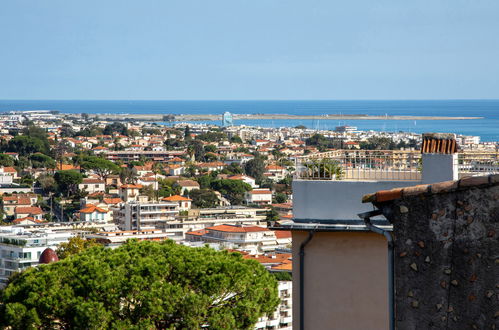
<point>91,185</point>
<point>187,185</point>
<point>94,213</point>
<point>184,203</point>
<point>145,215</point>
<point>262,196</point>
<point>251,239</point>
<point>28,211</point>
<point>334,250</point>
<point>282,318</point>
<point>20,249</point>
<point>116,238</point>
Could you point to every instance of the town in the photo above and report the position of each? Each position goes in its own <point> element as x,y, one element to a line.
<point>68,177</point>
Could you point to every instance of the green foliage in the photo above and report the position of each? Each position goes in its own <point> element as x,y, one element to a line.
<point>47,183</point>
<point>141,285</point>
<point>100,166</point>
<point>233,190</point>
<point>196,149</point>
<point>25,145</point>
<point>301,127</point>
<point>255,168</point>
<point>282,276</point>
<point>322,143</point>
<point>116,127</point>
<point>232,169</point>
<point>272,215</point>
<point>67,131</point>
<point>210,148</point>
<point>324,168</point>
<point>67,181</point>
<point>236,139</point>
<point>212,136</point>
<point>281,198</point>
<point>203,198</point>
<point>90,131</point>
<point>41,161</point>
<point>378,143</point>
<point>74,246</point>
<point>6,160</point>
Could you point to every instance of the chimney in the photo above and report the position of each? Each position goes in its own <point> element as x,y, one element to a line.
<point>439,157</point>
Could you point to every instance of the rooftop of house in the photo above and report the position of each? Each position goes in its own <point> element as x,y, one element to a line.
<point>435,188</point>
<point>176,198</point>
<point>237,229</point>
<point>28,210</point>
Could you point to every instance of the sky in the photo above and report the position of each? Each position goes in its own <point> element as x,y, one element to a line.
<point>249,49</point>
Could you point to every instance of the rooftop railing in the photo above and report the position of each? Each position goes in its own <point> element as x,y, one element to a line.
<point>385,165</point>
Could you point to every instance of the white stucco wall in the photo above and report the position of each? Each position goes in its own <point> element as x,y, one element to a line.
<point>336,200</point>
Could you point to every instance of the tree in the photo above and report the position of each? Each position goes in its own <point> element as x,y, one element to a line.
<point>301,127</point>
<point>102,167</point>
<point>118,128</point>
<point>281,198</point>
<point>142,285</point>
<point>210,148</point>
<point>255,168</point>
<point>25,145</point>
<point>272,215</point>
<point>233,190</point>
<point>324,168</point>
<point>67,130</point>
<point>67,181</point>
<point>74,246</point>
<point>41,161</point>
<point>47,183</point>
<point>196,149</point>
<point>6,160</point>
<point>236,139</point>
<point>203,198</point>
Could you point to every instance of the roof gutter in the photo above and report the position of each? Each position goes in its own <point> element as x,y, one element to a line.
<point>302,278</point>
<point>391,292</point>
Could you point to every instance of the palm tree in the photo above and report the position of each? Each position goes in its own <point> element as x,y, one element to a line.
<point>324,169</point>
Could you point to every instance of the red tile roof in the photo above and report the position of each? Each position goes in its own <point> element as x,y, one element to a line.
<point>28,210</point>
<point>176,198</point>
<point>237,229</point>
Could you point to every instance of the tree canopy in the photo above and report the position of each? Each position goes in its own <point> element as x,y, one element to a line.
<point>67,181</point>
<point>102,167</point>
<point>255,168</point>
<point>141,285</point>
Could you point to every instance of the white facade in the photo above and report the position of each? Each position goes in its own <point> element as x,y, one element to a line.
<point>20,249</point>
<point>149,215</point>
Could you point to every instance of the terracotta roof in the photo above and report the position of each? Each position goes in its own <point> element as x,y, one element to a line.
<point>131,186</point>
<point>65,167</point>
<point>435,188</point>
<point>283,266</point>
<point>27,218</point>
<point>90,208</point>
<point>237,229</point>
<point>8,169</point>
<point>90,180</point>
<point>282,234</point>
<point>176,198</point>
<point>28,210</point>
<point>116,200</point>
<point>260,192</point>
<point>200,232</point>
<point>187,183</point>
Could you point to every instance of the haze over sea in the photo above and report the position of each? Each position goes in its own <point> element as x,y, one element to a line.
<point>487,128</point>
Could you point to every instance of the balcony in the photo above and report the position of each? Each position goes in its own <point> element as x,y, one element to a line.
<point>386,165</point>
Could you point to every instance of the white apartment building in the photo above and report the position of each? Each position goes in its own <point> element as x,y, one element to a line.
<point>282,317</point>
<point>145,215</point>
<point>258,196</point>
<point>20,249</point>
<point>251,239</point>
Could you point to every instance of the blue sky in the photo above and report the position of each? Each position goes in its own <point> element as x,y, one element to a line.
<point>249,49</point>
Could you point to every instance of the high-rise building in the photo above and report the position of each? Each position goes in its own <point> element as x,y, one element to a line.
<point>227,119</point>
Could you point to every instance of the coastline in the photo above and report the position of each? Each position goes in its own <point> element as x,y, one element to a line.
<point>209,117</point>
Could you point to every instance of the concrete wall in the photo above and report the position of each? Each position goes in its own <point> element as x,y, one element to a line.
<point>446,259</point>
<point>338,200</point>
<point>439,167</point>
<point>345,281</point>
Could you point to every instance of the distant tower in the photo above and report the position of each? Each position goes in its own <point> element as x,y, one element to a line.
<point>227,119</point>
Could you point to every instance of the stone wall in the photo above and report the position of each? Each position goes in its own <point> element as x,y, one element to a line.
<point>446,259</point>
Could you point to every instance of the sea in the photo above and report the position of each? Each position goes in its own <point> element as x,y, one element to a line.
<point>487,127</point>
